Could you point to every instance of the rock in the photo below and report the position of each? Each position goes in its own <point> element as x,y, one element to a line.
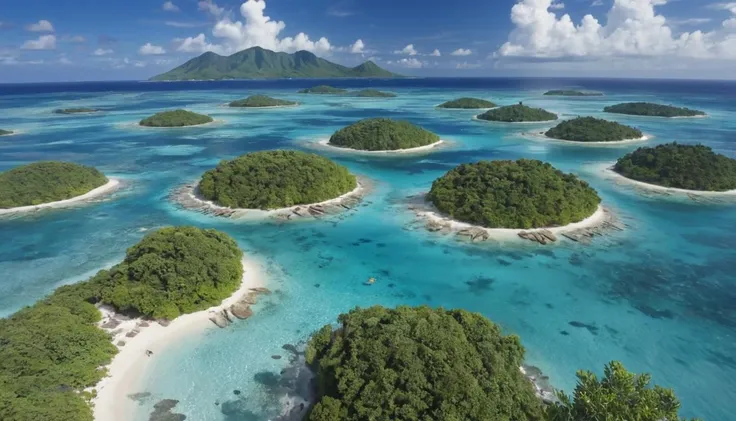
<point>111,324</point>
<point>276,357</point>
<point>236,392</point>
<point>433,226</point>
<point>133,333</point>
<point>548,235</point>
<point>121,343</point>
<point>143,324</point>
<point>261,290</point>
<point>291,348</point>
<point>219,320</point>
<point>164,322</point>
<point>226,315</point>
<point>250,298</point>
<point>241,311</point>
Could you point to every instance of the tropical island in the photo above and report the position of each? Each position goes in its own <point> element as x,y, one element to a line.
<point>652,110</point>
<point>467,104</point>
<point>590,129</point>
<point>261,101</point>
<point>5,132</point>
<point>571,92</point>
<point>518,113</point>
<point>176,118</point>
<point>275,179</point>
<point>673,165</point>
<point>383,134</point>
<point>323,90</point>
<point>373,93</point>
<point>75,111</point>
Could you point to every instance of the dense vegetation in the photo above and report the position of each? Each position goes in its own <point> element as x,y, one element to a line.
<point>467,103</point>
<point>75,111</point>
<point>373,93</point>
<point>517,114</point>
<point>419,364</point>
<point>691,167</point>
<point>590,129</point>
<point>261,101</point>
<point>46,181</point>
<point>382,134</point>
<point>323,89</point>
<point>513,194</point>
<point>5,132</point>
<point>176,118</point>
<point>652,110</point>
<point>275,179</point>
<point>570,92</point>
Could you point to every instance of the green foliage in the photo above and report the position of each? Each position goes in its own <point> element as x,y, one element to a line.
<point>373,93</point>
<point>46,181</point>
<point>275,179</point>
<point>382,134</point>
<point>323,89</point>
<point>517,113</point>
<point>75,111</point>
<point>568,92</point>
<point>176,118</point>
<point>261,101</point>
<point>513,194</point>
<point>5,132</point>
<point>691,167</point>
<point>590,129</point>
<point>419,364</point>
<point>618,396</point>
<point>467,103</point>
<point>652,110</point>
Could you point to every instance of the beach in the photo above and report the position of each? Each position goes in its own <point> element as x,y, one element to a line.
<point>110,186</point>
<point>606,170</point>
<point>325,143</point>
<point>542,137</point>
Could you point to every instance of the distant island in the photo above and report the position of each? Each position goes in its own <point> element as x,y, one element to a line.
<point>373,93</point>
<point>382,134</point>
<point>518,113</point>
<point>259,63</point>
<point>75,111</point>
<point>176,118</point>
<point>495,194</point>
<point>689,167</point>
<point>275,179</point>
<point>467,103</point>
<point>569,92</point>
<point>261,101</point>
<point>5,132</point>
<point>590,129</point>
<point>652,110</point>
<point>324,90</point>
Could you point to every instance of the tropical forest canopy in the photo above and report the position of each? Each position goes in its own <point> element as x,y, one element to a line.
<point>382,134</point>
<point>691,167</point>
<point>518,113</point>
<point>261,101</point>
<point>323,89</point>
<point>652,110</point>
<point>590,129</point>
<point>467,103</point>
<point>373,93</point>
<point>176,118</point>
<point>570,92</point>
<point>275,179</point>
<point>45,182</point>
<point>519,194</point>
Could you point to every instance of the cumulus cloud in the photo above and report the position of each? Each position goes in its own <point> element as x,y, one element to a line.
<point>436,53</point>
<point>358,47</point>
<point>408,50</point>
<point>149,49</point>
<point>64,60</point>
<point>102,52</point>
<point>557,6</point>
<point>44,42</point>
<point>169,6</point>
<point>411,63</point>
<point>211,7</point>
<point>41,26</point>
<point>462,52</point>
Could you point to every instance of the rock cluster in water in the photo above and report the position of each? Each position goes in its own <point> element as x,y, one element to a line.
<point>240,310</point>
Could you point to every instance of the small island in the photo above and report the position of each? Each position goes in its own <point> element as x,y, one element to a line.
<point>176,118</point>
<point>5,132</point>
<point>593,130</point>
<point>571,92</point>
<point>75,111</point>
<point>383,134</point>
<point>261,101</point>
<point>467,104</point>
<point>323,90</point>
<point>518,113</point>
<point>652,110</point>
<point>687,167</point>
<point>373,93</point>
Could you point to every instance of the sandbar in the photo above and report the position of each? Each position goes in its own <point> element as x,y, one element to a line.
<point>606,170</point>
<point>112,184</point>
<point>325,143</point>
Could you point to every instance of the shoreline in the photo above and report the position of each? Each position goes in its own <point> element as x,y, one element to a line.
<point>658,116</point>
<point>267,107</point>
<point>109,187</point>
<point>559,117</point>
<point>543,137</point>
<point>606,170</point>
<point>324,143</point>
<point>138,125</point>
<point>127,370</point>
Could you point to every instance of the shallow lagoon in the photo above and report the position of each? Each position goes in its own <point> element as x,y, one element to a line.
<point>659,296</point>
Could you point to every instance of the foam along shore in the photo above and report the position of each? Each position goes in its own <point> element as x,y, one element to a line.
<point>543,137</point>
<point>112,185</point>
<point>325,144</point>
<point>606,170</point>
<point>126,372</point>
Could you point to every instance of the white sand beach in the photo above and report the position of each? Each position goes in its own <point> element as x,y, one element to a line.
<point>544,138</point>
<point>559,117</point>
<point>606,170</point>
<point>112,185</point>
<point>325,143</point>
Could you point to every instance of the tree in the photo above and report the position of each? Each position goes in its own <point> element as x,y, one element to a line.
<point>382,134</point>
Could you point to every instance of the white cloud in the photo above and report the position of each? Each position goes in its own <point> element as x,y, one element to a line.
<point>41,26</point>
<point>210,7</point>
<point>358,47</point>
<point>195,45</point>
<point>64,60</point>
<point>436,53</point>
<point>411,63</point>
<point>408,50</point>
<point>169,6</point>
<point>139,64</point>
<point>557,6</point>
<point>149,49</point>
<point>596,3</point>
<point>102,52</point>
<point>177,24</point>
<point>44,42</point>
<point>465,65</point>
<point>462,52</point>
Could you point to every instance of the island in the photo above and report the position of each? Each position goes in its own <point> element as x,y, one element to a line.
<point>323,90</point>
<point>518,113</point>
<point>592,130</point>
<point>176,118</point>
<point>571,92</point>
<point>467,104</point>
<point>383,134</point>
<point>261,101</point>
<point>652,110</point>
<point>673,165</point>
<point>373,93</point>
<point>75,111</point>
<point>260,63</point>
<point>496,194</point>
<point>5,132</point>
<point>276,179</point>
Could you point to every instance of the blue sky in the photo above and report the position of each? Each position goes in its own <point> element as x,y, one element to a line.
<point>72,40</point>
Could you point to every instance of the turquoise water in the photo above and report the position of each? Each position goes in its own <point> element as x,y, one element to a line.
<point>659,296</point>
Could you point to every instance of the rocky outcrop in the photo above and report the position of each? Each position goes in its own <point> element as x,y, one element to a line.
<point>542,386</point>
<point>542,237</point>
<point>474,234</point>
<point>219,319</point>
<point>241,310</point>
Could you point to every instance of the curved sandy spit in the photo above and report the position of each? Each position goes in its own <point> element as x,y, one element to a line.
<point>544,138</point>
<point>606,170</point>
<point>126,372</point>
<point>325,144</point>
<point>111,185</point>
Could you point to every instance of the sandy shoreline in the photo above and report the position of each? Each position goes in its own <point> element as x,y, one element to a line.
<point>606,170</point>
<point>559,117</point>
<point>268,107</point>
<point>111,185</point>
<point>542,137</point>
<point>325,143</point>
<point>138,126</point>
<point>127,370</point>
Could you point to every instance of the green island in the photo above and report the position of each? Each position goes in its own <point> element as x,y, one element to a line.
<point>275,179</point>
<point>690,167</point>
<point>256,101</point>
<point>323,90</point>
<point>518,113</point>
<point>46,182</point>
<point>5,132</point>
<point>373,93</point>
<point>571,92</point>
<point>53,350</point>
<point>590,129</point>
<point>652,110</point>
<point>519,194</point>
<point>382,134</point>
<point>420,363</point>
<point>176,118</point>
<point>75,111</point>
<point>467,103</point>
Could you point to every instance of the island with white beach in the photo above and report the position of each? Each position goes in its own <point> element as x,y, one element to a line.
<point>5,132</point>
<point>518,113</point>
<point>648,109</point>
<point>262,101</point>
<point>382,136</point>
<point>176,118</point>
<point>466,103</point>
<point>591,130</point>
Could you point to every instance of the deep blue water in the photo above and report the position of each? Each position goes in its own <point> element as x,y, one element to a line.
<point>659,296</point>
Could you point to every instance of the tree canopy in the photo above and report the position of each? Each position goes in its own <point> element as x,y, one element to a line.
<point>517,113</point>
<point>275,179</point>
<point>467,103</point>
<point>652,110</point>
<point>519,194</point>
<point>323,89</point>
<point>418,364</point>
<point>75,111</point>
<point>590,129</point>
<point>691,167</point>
<point>571,92</point>
<point>176,118</point>
<point>261,101</point>
<point>5,132</point>
<point>382,134</point>
<point>373,93</point>
<point>45,182</point>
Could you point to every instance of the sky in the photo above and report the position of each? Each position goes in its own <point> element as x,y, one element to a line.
<point>85,40</point>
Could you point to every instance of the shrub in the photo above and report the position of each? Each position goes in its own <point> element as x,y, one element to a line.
<point>176,118</point>
<point>517,114</point>
<point>467,103</point>
<point>589,129</point>
<point>652,110</point>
